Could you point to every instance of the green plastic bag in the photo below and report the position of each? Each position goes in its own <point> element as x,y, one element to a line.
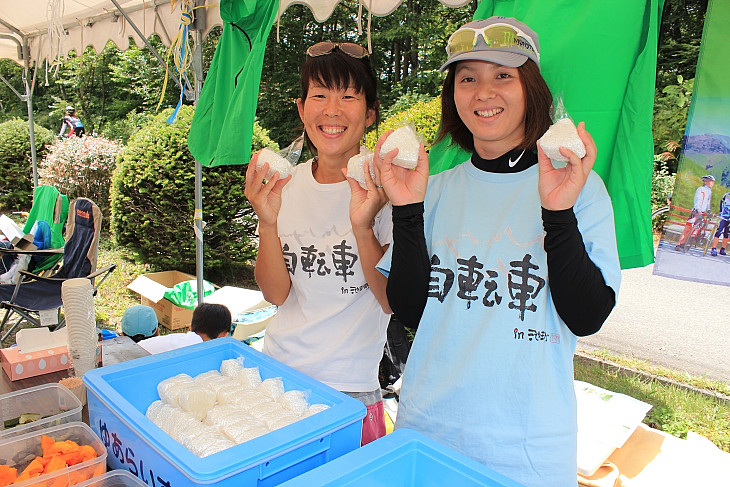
<point>185,294</point>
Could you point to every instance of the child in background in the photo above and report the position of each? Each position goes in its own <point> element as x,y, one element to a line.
<point>210,321</point>
<point>139,322</point>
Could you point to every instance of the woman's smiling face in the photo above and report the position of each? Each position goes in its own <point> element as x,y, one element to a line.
<point>490,101</point>
<point>335,119</point>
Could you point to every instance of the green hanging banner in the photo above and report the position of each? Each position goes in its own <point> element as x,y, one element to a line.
<point>222,128</point>
<point>694,240</point>
<point>602,57</point>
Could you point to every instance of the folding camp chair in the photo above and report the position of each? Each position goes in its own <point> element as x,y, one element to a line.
<point>34,294</point>
<point>45,221</point>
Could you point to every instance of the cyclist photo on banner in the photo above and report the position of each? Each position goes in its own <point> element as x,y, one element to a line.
<point>695,223</point>
<point>73,122</point>
<point>697,218</point>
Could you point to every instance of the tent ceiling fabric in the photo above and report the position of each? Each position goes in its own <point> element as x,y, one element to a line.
<point>322,9</point>
<point>95,22</point>
<point>89,23</point>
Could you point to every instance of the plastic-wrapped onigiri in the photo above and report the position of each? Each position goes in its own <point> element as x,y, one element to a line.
<point>273,387</point>
<point>295,401</point>
<point>232,367</point>
<point>249,377</point>
<point>356,165</point>
<point>248,399</point>
<point>197,400</point>
<point>562,134</point>
<point>406,141</point>
<point>276,163</point>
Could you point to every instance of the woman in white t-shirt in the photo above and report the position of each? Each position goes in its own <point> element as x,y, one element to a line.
<point>322,234</point>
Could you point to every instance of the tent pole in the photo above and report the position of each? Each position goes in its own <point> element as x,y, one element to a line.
<point>29,102</point>
<point>24,50</point>
<point>198,222</point>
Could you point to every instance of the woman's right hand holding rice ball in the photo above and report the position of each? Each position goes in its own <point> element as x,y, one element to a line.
<point>402,186</point>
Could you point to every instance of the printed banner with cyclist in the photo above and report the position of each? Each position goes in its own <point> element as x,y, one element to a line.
<point>696,233</point>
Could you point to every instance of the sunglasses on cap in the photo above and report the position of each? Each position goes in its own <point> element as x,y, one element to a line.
<point>495,36</point>
<point>349,48</point>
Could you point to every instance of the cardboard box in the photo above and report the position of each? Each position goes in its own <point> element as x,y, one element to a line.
<point>151,287</point>
<point>18,365</point>
<point>15,235</point>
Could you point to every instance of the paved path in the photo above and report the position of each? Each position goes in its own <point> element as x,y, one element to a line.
<point>680,325</point>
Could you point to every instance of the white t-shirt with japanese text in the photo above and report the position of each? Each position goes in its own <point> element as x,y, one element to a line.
<point>331,327</point>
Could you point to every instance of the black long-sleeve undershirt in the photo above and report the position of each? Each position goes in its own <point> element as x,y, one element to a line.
<point>581,297</point>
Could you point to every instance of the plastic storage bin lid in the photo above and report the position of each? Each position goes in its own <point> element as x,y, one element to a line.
<point>404,458</point>
<point>114,478</point>
<point>54,402</point>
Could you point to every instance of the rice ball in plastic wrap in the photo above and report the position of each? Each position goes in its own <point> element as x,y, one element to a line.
<point>272,388</point>
<point>562,134</point>
<point>273,416</point>
<point>260,410</point>
<point>197,400</point>
<point>157,410</point>
<point>249,398</point>
<point>164,386</point>
<point>213,445</point>
<point>295,401</point>
<point>356,167</point>
<point>283,421</point>
<point>406,140</point>
<point>177,422</point>
<point>222,414</point>
<point>234,430</point>
<point>249,377</point>
<point>276,163</point>
<point>227,394</point>
<point>249,434</point>
<point>213,381</point>
<point>232,367</point>
<point>314,409</point>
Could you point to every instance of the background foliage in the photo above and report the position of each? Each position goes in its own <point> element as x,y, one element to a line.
<point>81,166</point>
<point>153,202</point>
<point>16,172</point>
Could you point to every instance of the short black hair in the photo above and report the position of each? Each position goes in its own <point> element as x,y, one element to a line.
<point>211,319</point>
<point>338,70</point>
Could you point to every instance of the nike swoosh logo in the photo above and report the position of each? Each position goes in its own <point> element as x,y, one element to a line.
<point>514,163</point>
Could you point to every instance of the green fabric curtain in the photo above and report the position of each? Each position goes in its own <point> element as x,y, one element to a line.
<point>222,128</point>
<point>601,56</point>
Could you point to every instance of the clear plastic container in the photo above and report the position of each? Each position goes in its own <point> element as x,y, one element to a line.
<point>114,478</point>
<point>19,451</point>
<point>54,402</point>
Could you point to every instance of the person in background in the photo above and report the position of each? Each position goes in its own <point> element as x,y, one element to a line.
<point>703,198</point>
<point>209,321</point>
<point>502,263</point>
<point>320,236</point>
<point>139,322</point>
<point>73,122</point>
<point>723,227</point>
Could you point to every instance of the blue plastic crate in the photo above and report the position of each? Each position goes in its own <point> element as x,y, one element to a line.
<point>403,458</point>
<point>118,397</point>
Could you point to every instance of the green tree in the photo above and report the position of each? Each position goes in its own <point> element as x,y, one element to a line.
<point>679,40</point>
<point>671,108</point>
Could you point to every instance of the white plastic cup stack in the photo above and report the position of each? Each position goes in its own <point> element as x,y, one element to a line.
<point>83,340</point>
